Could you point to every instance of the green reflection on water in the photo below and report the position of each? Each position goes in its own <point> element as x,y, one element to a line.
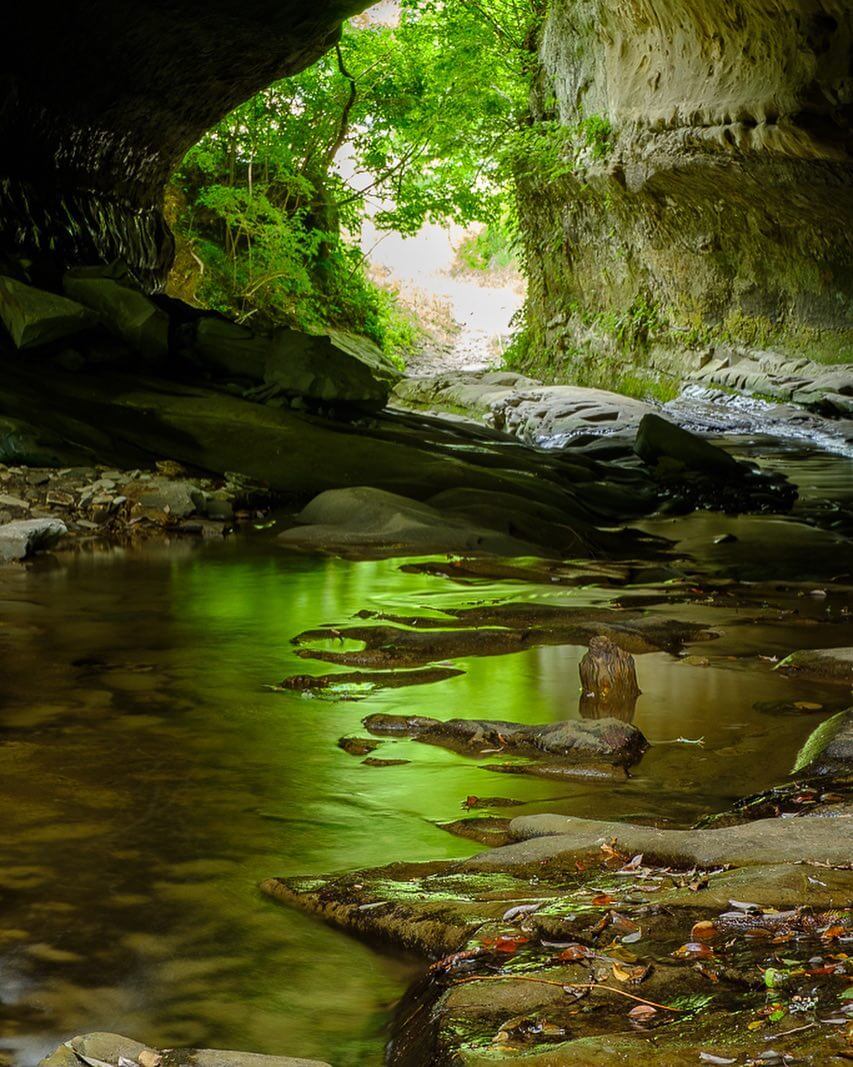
<point>150,787</point>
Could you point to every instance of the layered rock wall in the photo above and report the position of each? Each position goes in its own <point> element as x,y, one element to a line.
<point>706,193</point>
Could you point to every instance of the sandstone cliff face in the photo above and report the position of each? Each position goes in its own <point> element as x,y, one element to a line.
<point>707,196</point>
<point>100,99</point>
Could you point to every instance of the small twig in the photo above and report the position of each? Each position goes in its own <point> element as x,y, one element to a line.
<point>566,986</point>
<point>682,741</point>
<point>785,1033</point>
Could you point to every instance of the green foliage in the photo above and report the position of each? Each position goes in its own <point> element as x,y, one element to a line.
<point>491,248</point>
<point>595,132</point>
<point>420,110</point>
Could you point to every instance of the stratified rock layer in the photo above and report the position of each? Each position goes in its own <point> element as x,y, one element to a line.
<point>706,199</point>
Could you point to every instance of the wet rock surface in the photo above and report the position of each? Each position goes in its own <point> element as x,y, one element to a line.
<point>584,963</point>
<point>605,740</point>
<point>117,1051</point>
<point>827,664</point>
<point>494,630</point>
<point>537,414</point>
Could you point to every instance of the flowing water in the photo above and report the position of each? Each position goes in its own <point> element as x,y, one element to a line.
<point>149,780</point>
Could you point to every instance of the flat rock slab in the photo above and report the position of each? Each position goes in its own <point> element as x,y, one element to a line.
<point>608,740</point>
<point>110,1048</point>
<point>431,908</point>
<point>538,414</point>
<point>496,631</point>
<point>563,839</point>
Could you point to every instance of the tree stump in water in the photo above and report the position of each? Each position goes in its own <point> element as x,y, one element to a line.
<point>609,682</point>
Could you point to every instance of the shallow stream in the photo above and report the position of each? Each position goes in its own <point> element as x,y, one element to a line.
<point>149,780</point>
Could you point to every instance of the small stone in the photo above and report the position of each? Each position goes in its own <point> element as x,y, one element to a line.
<point>149,1058</point>
<point>60,498</point>
<point>8,501</point>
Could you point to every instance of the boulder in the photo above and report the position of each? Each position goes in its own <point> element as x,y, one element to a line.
<point>124,310</point>
<point>658,439</point>
<point>336,368</point>
<point>828,751</point>
<point>24,537</point>
<point>34,317</point>
<point>230,349</point>
<point>372,522</point>
<point>112,1049</point>
<point>821,664</point>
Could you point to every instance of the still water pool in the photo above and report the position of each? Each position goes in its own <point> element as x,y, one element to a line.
<point>149,780</point>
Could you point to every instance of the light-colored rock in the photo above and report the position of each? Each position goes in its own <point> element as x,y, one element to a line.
<point>34,317</point>
<point>24,537</point>
<point>543,415</point>
<point>563,838</point>
<point>110,1048</point>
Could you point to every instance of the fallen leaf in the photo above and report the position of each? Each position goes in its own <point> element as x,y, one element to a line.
<point>633,975</point>
<point>709,1057</point>
<point>149,1058</point>
<point>642,1012</point>
<point>575,952</point>
<point>831,933</point>
<point>602,900</point>
<point>703,931</point>
<point>694,950</point>
<point>504,943</point>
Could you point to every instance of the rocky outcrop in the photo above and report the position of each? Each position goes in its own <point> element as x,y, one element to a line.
<point>100,100</point>
<point>703,197</point>
<point>541,415</point>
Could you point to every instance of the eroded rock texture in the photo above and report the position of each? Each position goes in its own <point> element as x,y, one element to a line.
<point>100,99</point>
<point>706,192</point>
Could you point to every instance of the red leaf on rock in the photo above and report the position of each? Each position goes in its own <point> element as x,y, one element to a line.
<point>575,952</point>
<point>603,899</point>
<point>504,943</point>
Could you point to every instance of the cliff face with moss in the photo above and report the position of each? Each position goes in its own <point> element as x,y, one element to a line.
<point>696,188</point>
